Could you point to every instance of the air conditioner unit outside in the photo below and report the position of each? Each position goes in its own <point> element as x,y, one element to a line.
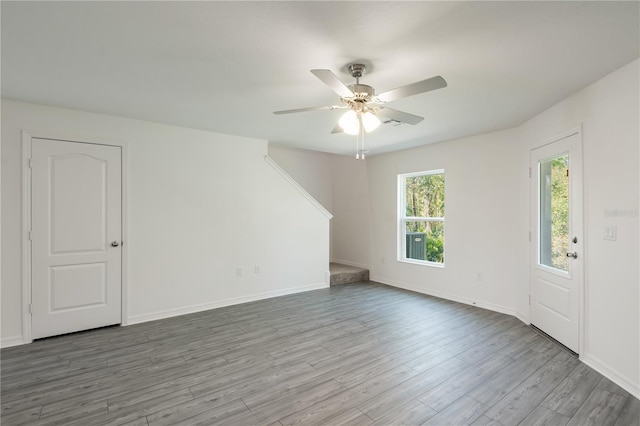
<point>416,245</point>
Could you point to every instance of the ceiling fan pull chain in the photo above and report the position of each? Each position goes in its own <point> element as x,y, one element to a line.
<point>358,142</point>
<point>362,140</point>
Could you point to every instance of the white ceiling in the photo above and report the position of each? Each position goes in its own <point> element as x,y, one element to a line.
<point>225,66</point>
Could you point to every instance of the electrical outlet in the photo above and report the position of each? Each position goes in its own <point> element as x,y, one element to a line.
<point>256,269</point>
<point>478,276</point>
<point>239,271</point>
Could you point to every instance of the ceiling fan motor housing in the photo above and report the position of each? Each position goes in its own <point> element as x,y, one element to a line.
<point>357,70</point>
<point>362,91</point>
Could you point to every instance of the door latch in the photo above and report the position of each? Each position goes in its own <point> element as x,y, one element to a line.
<point>574,255</point>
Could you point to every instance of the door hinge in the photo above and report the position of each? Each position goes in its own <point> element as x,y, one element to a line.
<point>567,172</point>
<point>529,171</point>
<point>529,300</point>
<point>29,163</point>
<point>529,236</point>
<point>29,236</point>
<point>30,308</point>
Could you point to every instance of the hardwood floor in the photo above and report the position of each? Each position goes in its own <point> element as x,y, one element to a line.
<point>358,354</point>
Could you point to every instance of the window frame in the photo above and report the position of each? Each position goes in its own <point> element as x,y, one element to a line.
<point>403,219</point>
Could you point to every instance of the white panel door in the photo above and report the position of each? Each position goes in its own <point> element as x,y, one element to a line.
<point>76,216</point>
<point>556,255</point>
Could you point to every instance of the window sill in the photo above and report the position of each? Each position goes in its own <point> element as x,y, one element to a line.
<point>422,263</point>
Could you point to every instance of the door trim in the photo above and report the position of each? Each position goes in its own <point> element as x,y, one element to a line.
<point>533,240</point>
<point>27,137</point>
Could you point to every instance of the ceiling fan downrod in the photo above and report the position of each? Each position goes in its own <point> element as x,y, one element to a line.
<point>360,92</point>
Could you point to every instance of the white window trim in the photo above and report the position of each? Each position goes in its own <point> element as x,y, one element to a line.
<point>402,200</point>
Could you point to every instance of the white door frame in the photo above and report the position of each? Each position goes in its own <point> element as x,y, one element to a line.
<point>533,240</point>
<point>27,137</point>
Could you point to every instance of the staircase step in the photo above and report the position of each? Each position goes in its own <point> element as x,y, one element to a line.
<point>346,274</point>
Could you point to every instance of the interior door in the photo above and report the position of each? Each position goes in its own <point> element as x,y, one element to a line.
<point>556,273</point>
<point>76,215</point>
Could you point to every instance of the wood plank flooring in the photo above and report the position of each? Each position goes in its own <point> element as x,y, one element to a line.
<point>359,354</point>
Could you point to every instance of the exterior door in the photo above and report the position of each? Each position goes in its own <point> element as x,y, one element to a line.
<point>556,274</point>
<point>76,215</point>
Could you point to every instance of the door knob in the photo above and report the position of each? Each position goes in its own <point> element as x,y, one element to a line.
<point>116,244</point>
<point>574,255</point>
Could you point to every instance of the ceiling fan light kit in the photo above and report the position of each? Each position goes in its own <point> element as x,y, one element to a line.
<point>355,120</point>
<point>370,122</point>
<point>364,106</point>
<point>349,122</point>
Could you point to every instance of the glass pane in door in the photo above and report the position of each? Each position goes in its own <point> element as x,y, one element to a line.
<point>554,212</point>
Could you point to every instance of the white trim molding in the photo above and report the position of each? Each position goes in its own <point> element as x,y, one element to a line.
<point>27,137</point>
<point>579,274</point>
<point>612,374</point>
<point>522,317</point>
<point>350,263</point>
<point>26,241</point>
<point>136,319</point>
<point>297,186</point>
<point>7,342</point>
<point>447,296</point>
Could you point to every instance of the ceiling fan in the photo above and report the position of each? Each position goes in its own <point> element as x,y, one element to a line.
<point>363,105</point>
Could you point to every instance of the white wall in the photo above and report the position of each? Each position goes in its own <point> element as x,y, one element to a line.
<point>312,170</point>
<point>610,116</point>
<point>200,204</point>
<point>351,236</point>
<point>339,183</point>
<point>482,230</point>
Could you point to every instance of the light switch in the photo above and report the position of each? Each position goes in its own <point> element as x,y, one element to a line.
<point>610,232</point>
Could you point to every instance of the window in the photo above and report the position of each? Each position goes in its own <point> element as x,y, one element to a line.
<point>421,217</point>
<point>554,212</point>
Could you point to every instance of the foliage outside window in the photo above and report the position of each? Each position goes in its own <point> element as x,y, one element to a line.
<point>421,211</point>
<point>554,212</point>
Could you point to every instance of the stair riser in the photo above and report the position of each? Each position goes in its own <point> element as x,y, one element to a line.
<point>349,277</point>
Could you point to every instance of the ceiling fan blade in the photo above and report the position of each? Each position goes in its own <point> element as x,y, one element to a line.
<point>337,129</point>
<point>404,117</point>
<point>427,85</point>
<point>322,108</point>
<point>331,80</point>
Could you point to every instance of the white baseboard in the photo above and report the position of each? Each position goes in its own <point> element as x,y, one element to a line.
<point>612,374</point>
<point>136,319</point>
<point>7,342</point>
<point>448,296</point>
<point>349,263</point>
<point>522,317</point>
